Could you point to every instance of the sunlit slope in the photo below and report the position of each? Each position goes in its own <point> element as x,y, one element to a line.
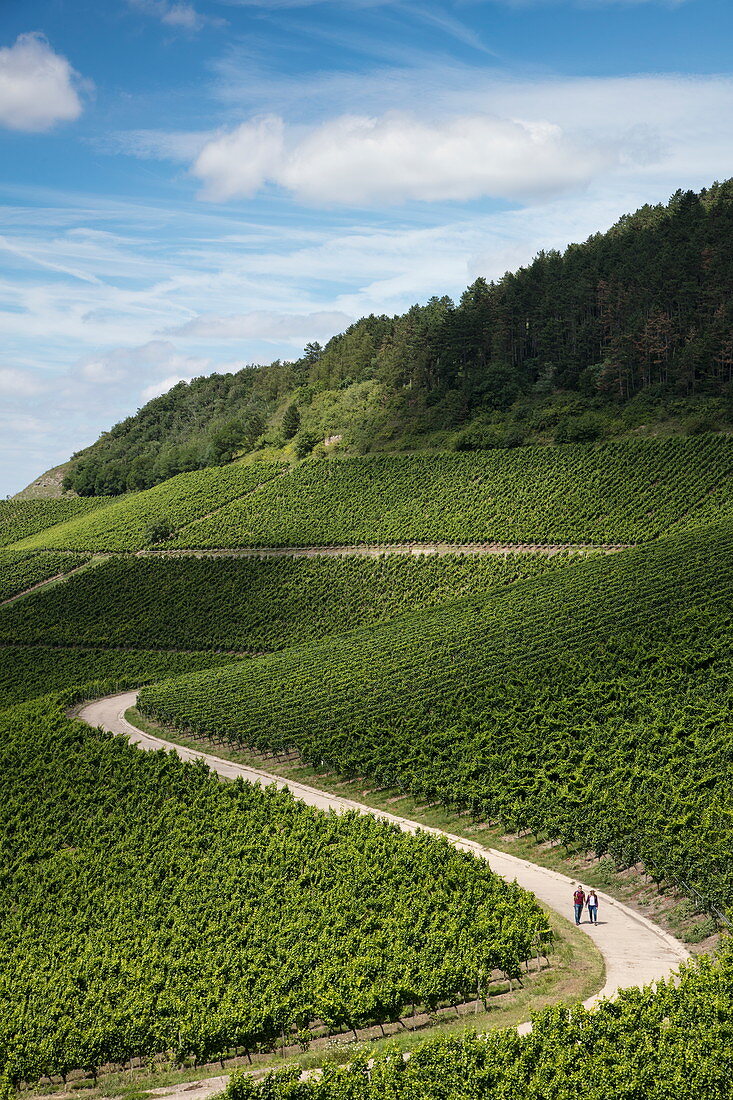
<point>250,603</point>
<point>148,908</point>
<point>624,492</point>
<point>20,519</point>
<point>592,702</point>
<point>125,522</point>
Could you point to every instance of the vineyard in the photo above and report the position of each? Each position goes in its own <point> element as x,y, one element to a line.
<point>28,671</point>
<point>672,1042</point>
<point>194,918</point>
<point>20,519</point>
<point>126,523</point>
<point>149,909</point>
<point>248,604</point>
<point>616,493</point>
<point>591,703</point>
<point>19,570</point>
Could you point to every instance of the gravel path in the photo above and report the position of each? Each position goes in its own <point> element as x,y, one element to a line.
<point>441,549</point>
<point>634,949</point>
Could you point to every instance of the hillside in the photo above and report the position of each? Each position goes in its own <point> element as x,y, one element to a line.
<point>623,492</point>
<point>629,332</point>
<point>48,486</point>
<point>247,603</point>
<point>590,703</point>
<point>558,667</point>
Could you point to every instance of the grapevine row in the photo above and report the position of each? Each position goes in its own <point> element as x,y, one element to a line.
<point>591,703</point>
<point>29,671</point>
<point>126,523</point>
<point>20,570</point>
<point>669,1042</point>
<point>148,908</point>
<point>20,519</point>
<point>624,492</point>
<point>248,604</point>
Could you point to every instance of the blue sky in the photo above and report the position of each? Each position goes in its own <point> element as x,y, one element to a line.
<point>191,186</point>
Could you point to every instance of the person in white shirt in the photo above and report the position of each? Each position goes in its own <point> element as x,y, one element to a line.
<point>592,902</point>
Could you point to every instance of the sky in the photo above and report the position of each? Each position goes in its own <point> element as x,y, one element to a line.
<point>188,186</point>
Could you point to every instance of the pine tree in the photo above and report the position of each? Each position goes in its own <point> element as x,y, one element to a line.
<point>291,422</point>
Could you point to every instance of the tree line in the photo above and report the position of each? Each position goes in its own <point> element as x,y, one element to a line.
<point>645,308</point>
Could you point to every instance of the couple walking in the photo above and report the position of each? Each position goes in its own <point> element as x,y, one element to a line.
<point>580,898</point>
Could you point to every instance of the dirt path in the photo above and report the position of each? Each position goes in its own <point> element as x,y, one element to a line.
<point>440,549</point>
<point>634,949</point>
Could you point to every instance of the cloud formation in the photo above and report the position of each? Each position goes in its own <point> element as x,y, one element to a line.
<point>295,328</point>
<point>398,157</point>
<point>38,88</point>
<point>151,368</point>
<point>17,383</point>
<point>238,163</point>
<point>179,14</point>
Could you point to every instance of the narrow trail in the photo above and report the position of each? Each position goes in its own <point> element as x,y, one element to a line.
<point>634,949</point>
<point>441,549</point>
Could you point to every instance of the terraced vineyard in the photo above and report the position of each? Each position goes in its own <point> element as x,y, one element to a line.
<point>617,493</point>
<point>192,917</point>
<point>249,604</point>
<point>591,703</point>
<point>20,570</point>
<point>588,699</point>
<point>22,518</point>
<point>669,1043</point>
<point>125,523</point>
<point>29,671</point>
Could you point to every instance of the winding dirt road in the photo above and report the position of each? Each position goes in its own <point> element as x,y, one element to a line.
<point>634,949</point>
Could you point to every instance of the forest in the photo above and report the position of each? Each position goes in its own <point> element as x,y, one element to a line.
<point>629,329</point>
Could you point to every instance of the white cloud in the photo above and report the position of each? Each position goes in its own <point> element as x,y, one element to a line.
<point>238,163</point>
<point>135,366</point>
<point>17,383</point>
<point>38,87</point>
<point>398,157</point>
<point>175,13</point>
<point>295,328</point>
<point>486,136</point>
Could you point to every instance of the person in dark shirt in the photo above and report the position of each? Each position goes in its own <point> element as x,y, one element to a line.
<point>578,902</point>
